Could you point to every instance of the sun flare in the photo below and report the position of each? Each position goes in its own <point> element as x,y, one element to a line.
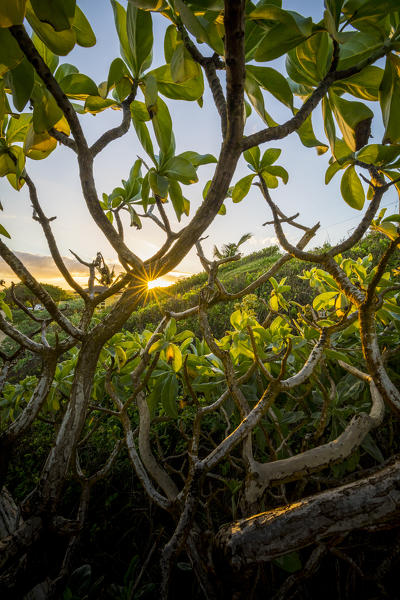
<point>159,282</point>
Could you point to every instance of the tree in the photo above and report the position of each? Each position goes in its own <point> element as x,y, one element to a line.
<point>19,293</point>
<point>258,368</point>
<point>231,249</point>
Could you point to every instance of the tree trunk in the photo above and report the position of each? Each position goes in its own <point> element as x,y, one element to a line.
<point>371,503</point>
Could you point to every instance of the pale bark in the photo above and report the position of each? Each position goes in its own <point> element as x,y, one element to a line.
<point>365,504</point>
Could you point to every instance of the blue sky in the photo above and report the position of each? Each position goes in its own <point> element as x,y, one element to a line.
<point>195,129</point>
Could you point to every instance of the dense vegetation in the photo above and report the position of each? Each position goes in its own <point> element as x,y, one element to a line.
<point>237,436</point>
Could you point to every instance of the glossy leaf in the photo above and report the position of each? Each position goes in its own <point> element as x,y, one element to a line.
<point>364,85</point>
<point>352,189</point>
<point>58,13</point>
<point>278,171</point>
<point>140,38</point>
<point>242,188</point>
<point>12,12</point>
<point>198,159</point>
<point>181,169</point>
<point>18,128</point>
<point>10,53</point>
<point>78,86</point>
<point>307,137</point>
<point>162,125</point>
<point>120,25</point>
<point>158,183</point>
<point>389,98</point>
<point>272,81</point>
<point>183,66</point>
<point>270,156</point>
<point>85,36</point>
<point>252,155</point>
<point>116,72</point>
<point>359,45</point>
<point>190,21</point>
<point>46,112</point>
<point>378,155</point>
<point>38,145</point>
<point>191,89</point>
<point>177,199</point>
<point>59,42</point>
<point>354,121</point>
<point>20,80</point>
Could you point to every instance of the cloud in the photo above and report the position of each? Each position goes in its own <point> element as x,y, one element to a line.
<point>45,271</point>
<point>263,242</point>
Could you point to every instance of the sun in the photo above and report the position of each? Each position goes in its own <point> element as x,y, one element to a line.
<point>159,282</point>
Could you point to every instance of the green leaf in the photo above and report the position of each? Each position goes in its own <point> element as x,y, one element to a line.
<point>389,98</point>
<point>7,164</point>
<point>148,4</point>
<point>191,89</point>
<point>58,13</point>
<point>46,111</point>
<point>278,171</point>
<point>324,300</point>
<point>96,104</point>
<point>78,86</point>
<point>173,355</point>
<point>351,189</point>
<point>84,33</point>
<point>140,37</point>
<point>20,80</point>
<point>48,56</point>
<point>198,159</point>
<point>181,169</point>
<point>242,188</point>
<point>256,98</point>
<point>64,70</point>
<point>169,396</point>
<point>183,66</point>
<point>378,154</point>
<point>137,110</point>
<point>177,199</point>
<point>18,127</point>
<point>10,53</point>
<point>158,183</point>
<point>273,82</point>
<point>364,85</point>
<point>162,125</point>
<point>270,156</point>
<point>190,21</point>
<point>359,45</point>
<point>59,42</point>
<point>135,219</point>
<point>307,137</point>
<point>150,92</point>
<point>4,307</point>
<point>172,39</point>
<point>270,180</point>
<point>120,25</point>
<point>354,120</point>
<point>289,30</point>
<point>309,62</point>
<point>117,71</point>
<point>12,13</point>
<point>38,145</point>
<point>332,170</point>
<point>252,155</point>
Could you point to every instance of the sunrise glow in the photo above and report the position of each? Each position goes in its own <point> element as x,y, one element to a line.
<point>159,282</point>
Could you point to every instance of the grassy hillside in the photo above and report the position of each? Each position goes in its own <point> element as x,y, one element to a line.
<point>235,276</point>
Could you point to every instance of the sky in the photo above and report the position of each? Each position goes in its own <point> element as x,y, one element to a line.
<point>195,128</point>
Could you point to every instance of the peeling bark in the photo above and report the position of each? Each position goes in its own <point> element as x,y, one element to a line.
<point>364,504</point>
